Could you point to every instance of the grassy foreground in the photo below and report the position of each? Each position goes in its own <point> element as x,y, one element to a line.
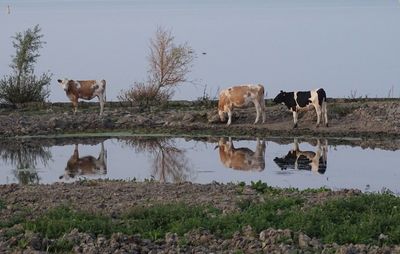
<point>362,218</point>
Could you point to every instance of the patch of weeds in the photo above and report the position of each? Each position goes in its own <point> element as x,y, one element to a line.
<point>13,231</point>
<point>240,187</point>
<point>2,205</point>
<point>317,190</point>
<point>259,186</point>
<point>183,241</point>
<point>244,204</point>
<point>358,219</point>
<point>23,243</point>
<point>61,220</point>
<point>60,246</point>
<point>17,218</point>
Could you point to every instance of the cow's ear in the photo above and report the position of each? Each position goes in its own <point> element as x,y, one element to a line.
<point>281,91</point>
<point>59,80</point>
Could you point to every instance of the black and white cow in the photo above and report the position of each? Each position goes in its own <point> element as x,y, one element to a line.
<point>298,101</point>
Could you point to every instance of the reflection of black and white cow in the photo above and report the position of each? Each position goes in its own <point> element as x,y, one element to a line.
<point>239,97</point>
<point>84,89</point>
<point>305,160</point>
<point>242,158</point>
<point>87,165</point>
<point>297,101</point>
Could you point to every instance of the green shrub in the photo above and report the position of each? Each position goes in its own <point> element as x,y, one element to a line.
<point>23,85</point>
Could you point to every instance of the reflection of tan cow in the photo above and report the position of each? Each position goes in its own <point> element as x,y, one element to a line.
<point>87,165</point>
<point>239,97</point>
<point>242,158</point>
<point>305,160</point>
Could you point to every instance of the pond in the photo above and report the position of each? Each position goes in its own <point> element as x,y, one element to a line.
<point>297,162</point>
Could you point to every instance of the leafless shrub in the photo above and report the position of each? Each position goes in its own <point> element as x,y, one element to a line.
<point>143,95</point>
<point>169,65</point>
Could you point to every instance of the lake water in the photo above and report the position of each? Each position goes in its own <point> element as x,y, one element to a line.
<point>346,46</point>
<point>290,163</point>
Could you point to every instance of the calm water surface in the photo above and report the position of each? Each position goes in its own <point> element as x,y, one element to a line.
<point>346,46</point>
<point>293,163</point>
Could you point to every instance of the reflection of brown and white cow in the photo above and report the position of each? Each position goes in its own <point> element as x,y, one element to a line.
<point>242,158</point>
<point>239,97</point>
<point>87,165</point>
<point>84,89</point>
<point>305,160</point>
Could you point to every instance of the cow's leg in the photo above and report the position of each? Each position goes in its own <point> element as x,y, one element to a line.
<point>101,101</point>
<point>318,110</point>
<point>229,117</point>
<point>325,113</point>
<point>258,111</point>
<point>262,104</point>
<point>295,119</point>
<point>75,106</point>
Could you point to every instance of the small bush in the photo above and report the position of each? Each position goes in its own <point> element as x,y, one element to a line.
<point>144,94</point>
<point>23,85</point>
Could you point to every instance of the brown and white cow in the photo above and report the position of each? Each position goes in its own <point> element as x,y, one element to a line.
<point>87,165</point>
<point>239,97</point>
<point>299,101</point>
<point>305,160</point>
<point>242,158</point>
<point>84,89</point>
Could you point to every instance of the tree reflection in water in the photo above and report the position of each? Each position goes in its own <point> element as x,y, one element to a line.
<point>24,157</point>
<point>169,163</point>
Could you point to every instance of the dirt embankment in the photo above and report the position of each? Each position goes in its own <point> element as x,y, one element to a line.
<point>348,118</point>
<point>112,198</point>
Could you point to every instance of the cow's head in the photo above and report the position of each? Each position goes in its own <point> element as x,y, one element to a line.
<point>281,97</point>
<point>64,83</point>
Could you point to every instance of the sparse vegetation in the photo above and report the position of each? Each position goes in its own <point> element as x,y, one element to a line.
<point>357,219</point>
<point>169,65</point>
<point>23,85</point>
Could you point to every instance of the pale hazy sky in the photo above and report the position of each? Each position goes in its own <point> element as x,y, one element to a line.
<point>343,46</point>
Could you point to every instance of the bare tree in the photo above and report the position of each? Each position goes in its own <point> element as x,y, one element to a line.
<point>169,65</point>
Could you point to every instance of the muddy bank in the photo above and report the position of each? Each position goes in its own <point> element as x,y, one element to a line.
<point>363,119</point>
<point>112,198</point>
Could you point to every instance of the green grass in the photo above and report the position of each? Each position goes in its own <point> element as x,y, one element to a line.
<point>2,205</point>
<point>357,219</point>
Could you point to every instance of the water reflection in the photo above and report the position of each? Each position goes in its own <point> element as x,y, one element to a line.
<point>168,162</point>
<point>24,157</point>
<point>305,160</point>
<point>87,165</point>
<point>242,158</point>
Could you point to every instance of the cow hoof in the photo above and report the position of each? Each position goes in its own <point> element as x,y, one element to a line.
<point>295,126</point>
<point>326,125</point>
<point>317,126</point>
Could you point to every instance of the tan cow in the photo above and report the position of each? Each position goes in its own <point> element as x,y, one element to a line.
<point>305,160</point>
<point>242,158</point>
<point>239,97</point>
<point>84,89</point>
<point>87,165</point>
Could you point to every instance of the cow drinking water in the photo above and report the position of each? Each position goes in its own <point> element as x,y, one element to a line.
<point>298,101</point>
<point>242,158</point>
<point>239,97</point>
<point>84,89</point>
